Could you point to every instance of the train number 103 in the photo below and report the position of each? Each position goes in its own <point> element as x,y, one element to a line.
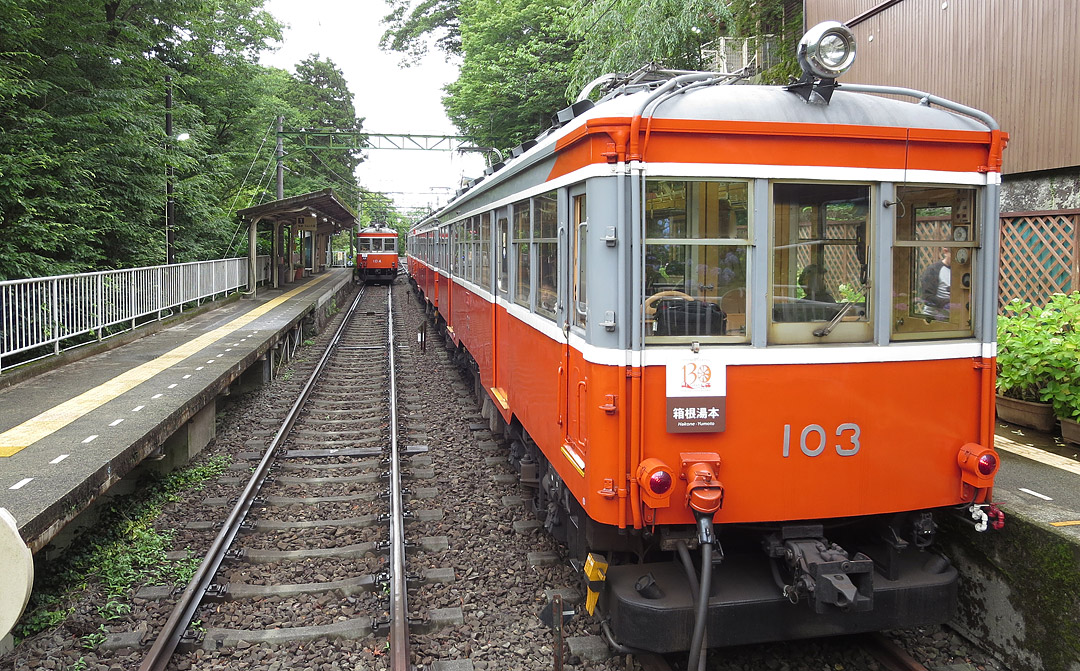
<point>814,439</point>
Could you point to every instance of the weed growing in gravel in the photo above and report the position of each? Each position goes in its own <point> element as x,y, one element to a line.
<point>121,550</point>
<point>92,640</point>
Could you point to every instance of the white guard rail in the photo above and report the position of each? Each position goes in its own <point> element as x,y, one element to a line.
<point>53,314</point>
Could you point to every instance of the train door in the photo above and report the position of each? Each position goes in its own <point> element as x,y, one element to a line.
<point>576,321</point>
<point>500,383</point>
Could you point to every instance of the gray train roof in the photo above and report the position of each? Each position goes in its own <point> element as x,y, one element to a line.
<point>774,104</point>
<point>750,103</point>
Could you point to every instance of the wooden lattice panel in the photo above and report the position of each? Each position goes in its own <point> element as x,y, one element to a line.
<point>1038,256</point>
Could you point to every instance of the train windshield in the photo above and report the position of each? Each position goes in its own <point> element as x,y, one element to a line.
<point>820,259</point>
<point>933,260</point>
<point>697,241</point>
<point>820,266</point>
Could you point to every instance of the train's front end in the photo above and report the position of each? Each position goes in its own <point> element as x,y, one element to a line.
<point>808,384</point>
<point>377,254</point>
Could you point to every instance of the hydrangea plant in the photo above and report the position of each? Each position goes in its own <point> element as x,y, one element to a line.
<point>1038,355</point>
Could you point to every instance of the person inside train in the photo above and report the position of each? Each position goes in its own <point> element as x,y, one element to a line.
<point>935,287</point>
<point>812,282</point>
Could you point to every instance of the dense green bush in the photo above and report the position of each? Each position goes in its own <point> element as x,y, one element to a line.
<point>1038,356</point>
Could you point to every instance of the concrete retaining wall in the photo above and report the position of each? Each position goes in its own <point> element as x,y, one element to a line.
<point>1020,592</point>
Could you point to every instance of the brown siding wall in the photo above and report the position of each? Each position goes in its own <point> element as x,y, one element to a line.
<point>1017,60</point>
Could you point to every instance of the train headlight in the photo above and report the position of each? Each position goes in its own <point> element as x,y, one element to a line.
<point>978,465</point>
<point>656,479</point>
<point>827,50</point>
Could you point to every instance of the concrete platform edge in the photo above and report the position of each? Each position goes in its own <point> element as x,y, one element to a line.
<point>41,529</point>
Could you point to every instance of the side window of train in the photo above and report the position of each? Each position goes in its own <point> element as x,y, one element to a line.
<point>460,244</point>
<point>521,249</point>
<point>933,262</point>
<point>697,242</point>
<point>484,278</point>
<point>547,253</point>
<point>472,225</point>
<point>821,264</point>
<point>577,261</point>
<point>504,256</point>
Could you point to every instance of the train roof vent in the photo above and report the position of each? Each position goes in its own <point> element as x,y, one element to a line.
<point>522,148</point>
<point>566,114</point>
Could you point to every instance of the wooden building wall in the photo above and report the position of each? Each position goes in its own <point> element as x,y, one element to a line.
<point>1018,60</point>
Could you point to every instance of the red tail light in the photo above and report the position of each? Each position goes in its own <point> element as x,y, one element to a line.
<point>660,483</point>
<point>978,465</point>
<point>655,479</point>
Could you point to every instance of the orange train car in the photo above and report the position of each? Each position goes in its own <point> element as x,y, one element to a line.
<point>742,340</point>
<point>376,254</point>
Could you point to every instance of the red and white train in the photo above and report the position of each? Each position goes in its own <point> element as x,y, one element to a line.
<point>376,254</point>
<point>743,340</point>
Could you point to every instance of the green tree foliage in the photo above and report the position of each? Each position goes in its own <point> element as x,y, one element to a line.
<point>318,99</point>
<point>515,69</point>
<point>781,18</point>
<point>668,33</point>
<point>82,143</point>
<point>83,148</point>
<point>522,61</point>
<point>412,28</point>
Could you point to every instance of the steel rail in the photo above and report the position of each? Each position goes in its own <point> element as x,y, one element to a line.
<point>165,645</point>
<point>399,606</point>
<point>890,655</point>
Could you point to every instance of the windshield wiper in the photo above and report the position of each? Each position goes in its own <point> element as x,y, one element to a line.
<point>827,329</point>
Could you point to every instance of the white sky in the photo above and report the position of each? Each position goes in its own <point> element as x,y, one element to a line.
<point>389,98</point>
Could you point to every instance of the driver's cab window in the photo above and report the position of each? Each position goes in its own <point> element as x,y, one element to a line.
<point>933,262</point>
<point>821,267</point>
<point>697,239</point>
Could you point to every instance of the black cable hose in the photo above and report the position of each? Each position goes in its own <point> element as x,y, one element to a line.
<point>691,577</point>
<point>697,657</point>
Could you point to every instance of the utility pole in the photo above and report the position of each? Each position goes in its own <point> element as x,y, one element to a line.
<point>170,255</point>
<point>280,159</point>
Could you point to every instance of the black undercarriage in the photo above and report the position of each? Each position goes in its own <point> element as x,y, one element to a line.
<point>768,583</point>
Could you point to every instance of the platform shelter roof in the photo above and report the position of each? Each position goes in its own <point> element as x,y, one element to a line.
<point>332,215</point>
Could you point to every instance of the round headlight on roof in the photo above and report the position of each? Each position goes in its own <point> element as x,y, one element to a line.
<point>827,50</point>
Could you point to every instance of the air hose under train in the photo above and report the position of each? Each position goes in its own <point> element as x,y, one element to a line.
<point>706,538</point>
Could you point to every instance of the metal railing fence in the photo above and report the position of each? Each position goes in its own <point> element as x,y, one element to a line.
<point>44,316</point>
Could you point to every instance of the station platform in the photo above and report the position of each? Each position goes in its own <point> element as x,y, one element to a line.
<point>69,434</point>
<point>1039,477</point>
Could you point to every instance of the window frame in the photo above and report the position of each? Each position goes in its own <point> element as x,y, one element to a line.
<point>852,327</point>
<point>970,221</point>
<point>696,200</point>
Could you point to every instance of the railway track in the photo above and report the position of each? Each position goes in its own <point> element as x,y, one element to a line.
<point>324,499</point>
